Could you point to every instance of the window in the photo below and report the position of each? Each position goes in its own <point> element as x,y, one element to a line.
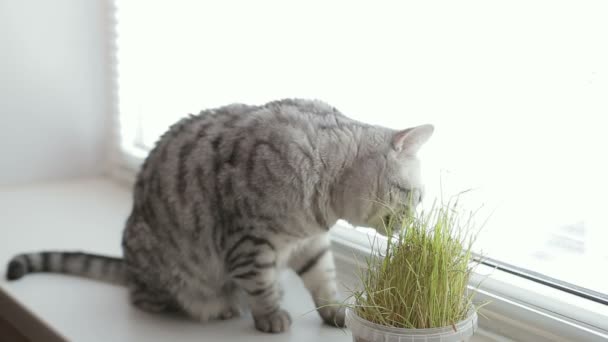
<point>516,90</point>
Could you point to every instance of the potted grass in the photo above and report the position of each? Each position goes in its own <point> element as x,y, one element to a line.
<point>415,288</point>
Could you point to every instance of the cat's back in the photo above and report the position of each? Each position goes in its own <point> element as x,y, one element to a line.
<point>207,134</point>
<point>230,141</point>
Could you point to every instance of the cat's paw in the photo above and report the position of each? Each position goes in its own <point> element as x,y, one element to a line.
<point>276,322</point>
<point>333,315</point>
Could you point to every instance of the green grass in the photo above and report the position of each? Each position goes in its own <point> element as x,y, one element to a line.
<point>419,279</point>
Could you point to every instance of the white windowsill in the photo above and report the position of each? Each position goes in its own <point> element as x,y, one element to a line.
<point>89,215</point>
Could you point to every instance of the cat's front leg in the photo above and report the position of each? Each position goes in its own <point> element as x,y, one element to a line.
<point>314,263</point>
<point>263,291</point>
<point>256,273</point>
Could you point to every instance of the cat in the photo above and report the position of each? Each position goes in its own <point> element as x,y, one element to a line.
<point>228,198</point>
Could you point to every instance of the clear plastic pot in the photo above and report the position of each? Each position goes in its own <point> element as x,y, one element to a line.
<point>366,331</point>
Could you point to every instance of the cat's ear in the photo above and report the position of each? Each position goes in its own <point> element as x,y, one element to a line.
<point>409,141</point>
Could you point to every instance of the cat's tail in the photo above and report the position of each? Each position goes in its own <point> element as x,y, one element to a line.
<point>98,267</point>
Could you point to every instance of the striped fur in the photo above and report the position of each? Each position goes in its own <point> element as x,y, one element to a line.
<point>92,266</point>
<point>230,197</point>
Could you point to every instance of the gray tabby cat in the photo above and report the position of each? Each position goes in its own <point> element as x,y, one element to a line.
<point>231,196</point>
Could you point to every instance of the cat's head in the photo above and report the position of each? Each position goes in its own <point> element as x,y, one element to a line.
<point>385,178</point>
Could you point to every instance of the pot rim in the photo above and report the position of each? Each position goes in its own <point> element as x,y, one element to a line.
<point>461,326</point>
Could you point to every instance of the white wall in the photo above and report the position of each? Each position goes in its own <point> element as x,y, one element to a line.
<point>53,110</point>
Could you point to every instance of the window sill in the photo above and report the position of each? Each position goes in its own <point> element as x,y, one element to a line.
<point>89,215</point>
